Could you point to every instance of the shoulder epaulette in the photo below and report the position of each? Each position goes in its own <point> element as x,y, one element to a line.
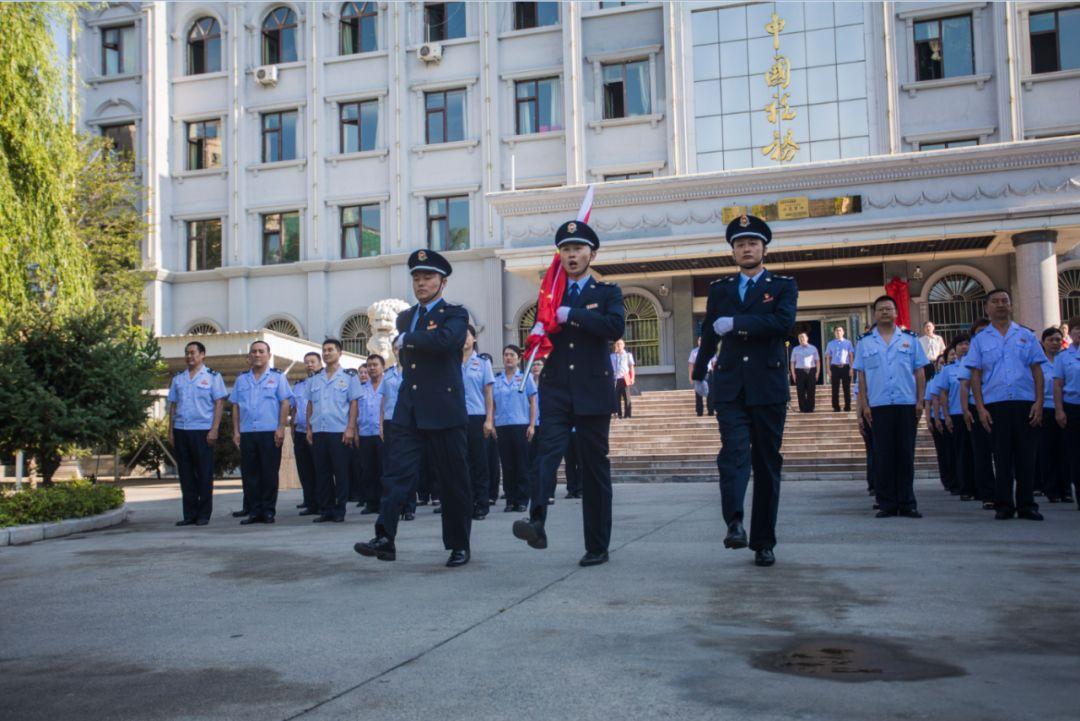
<point>1029,330</point>
<point>604,282</point>
<point>867,334</point>
<point>909,332</point>
<point>212,371</point>
<point>783,277</point>
<point>274,370</point>
<point>350,372</point>
<point>177,373</point>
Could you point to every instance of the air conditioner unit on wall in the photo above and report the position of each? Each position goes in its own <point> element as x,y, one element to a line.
<point>429,52</point>
<point>266,75</point>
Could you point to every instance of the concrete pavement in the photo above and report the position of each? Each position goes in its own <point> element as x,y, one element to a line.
<point>954,616</point>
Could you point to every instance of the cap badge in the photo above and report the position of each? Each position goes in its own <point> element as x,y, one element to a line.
<point>744,221</point>
<point>421,256</point>
<point>571,228</point>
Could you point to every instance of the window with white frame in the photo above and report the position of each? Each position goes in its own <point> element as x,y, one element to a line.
<point>279,37</point>
<point>444,116</point>
<point>361,234</point>
<point>535,14</point>
<point>280,237</point>
<point>1055,40</point>
<point>359,122</point>
<point>358,24</point>
<point>278,136</point>
<point>538,104</point>
<point>119,50</point>
<point>448,223</point>
<point>944,48</point>
<point>204,47</point>
<point>203,144</point>
<point>204,244</point>
<point>444,21</point>
<point>627,89</point>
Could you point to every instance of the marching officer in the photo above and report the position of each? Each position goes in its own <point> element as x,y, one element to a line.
<point>839,352</point>
<point>429,414</point>
<point>260,401</point>
<point>332,397</point>
<point>890,363</point>
<point>750,314</point>
<point>577,391</point>
<point>196,398</point>
<point>1005,361</point>
<point>305,460</point>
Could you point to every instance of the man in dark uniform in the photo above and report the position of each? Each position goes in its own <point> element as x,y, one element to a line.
<point>752,312</point>
<point>577,392</point>
<point>429,414</point>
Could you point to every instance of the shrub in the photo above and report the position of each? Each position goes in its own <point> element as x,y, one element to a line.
<point>46,504</point>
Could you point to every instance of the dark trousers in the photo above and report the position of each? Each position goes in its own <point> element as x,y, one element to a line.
<point>982,460</point>
<point>894,457</point>
<point>1072,441</point>
<point>391,432</point>
<point>750,439</point>
<point>700,404</point>
<point>1014,442</point>
<point>1051,462</point>
<point>592,434</point>
<point>260,460</point>
<point>449,464</point>
<point>428,483</point>
<point>371,466</point>
<point>840,375</point>
<point>332,468</point>
<point>963,457</point>
<point>478,462</point>
<point>868,444</point>
<point>622,398</point>
<point>943,452</point>
<point>195,464</point>
<point>514,459</point>
<point>491,445</point>
<point>356,475</point>
<point>572,466</point>
<point>305,469</point>
<point>804,387</point>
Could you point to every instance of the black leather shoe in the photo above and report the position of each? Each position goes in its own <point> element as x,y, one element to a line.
<point>521,508</point>
<point>301,505</point>
<point>437,509</point>
<point>910,514</point>
<point>422,502</point>
<point>764,557</point>
<point>202,521</point>
<point>884,514</point>
<point>322,519</point>
<point>736,535</point>
<point>306,512</point>
<point>1066,499</point>
<point>1003,515</point>
<point>185,522</point>
<point>532,532</point>
<point>479,513</point>
<point>379,547</point>
<point>509,508</point>
<point>240,514</point>
<point>368,510</point>
<point>457,558</point>
<point>966,497</point>
<point>268,519</point>
<point>1030,515</point>
<point>593,559</point>
<point>408,516</point>
<point>252,520</point>
<point>989,506</point>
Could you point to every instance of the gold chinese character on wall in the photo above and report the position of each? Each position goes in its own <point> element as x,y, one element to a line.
<point>783,148</point>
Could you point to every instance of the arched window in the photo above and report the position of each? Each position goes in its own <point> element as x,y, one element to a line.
<point>358,27</point>
<point>283,326</point>
<point>528,320</point>
<point>279,37</point>
<point>204,47</point>
<point>1069,293</point>
<point>355,333</point>
<point>642,334</point>
<point>954,303</point>
<point>202,329</point>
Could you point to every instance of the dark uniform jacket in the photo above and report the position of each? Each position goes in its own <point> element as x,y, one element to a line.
<point>752,357</point>
<point>432,392</point>
<point>577,375</point>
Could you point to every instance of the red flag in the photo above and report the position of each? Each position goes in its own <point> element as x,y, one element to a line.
<point>549,299</point>
<point>900,290</point>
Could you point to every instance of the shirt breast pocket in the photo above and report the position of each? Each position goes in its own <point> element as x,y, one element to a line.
<point>872,360</point>
<point>991,358</point>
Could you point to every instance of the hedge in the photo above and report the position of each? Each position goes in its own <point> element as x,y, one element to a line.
<point>76,499</point>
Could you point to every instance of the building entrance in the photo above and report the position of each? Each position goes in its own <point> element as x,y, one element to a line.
<point>819,326</point>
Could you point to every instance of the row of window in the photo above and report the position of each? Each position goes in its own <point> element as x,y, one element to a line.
<point>360,233</point>
<point>945,47</point>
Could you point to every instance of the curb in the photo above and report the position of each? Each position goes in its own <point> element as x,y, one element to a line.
<point>21,535</point>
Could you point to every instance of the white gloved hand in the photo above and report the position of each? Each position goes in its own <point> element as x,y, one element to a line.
<point>399,341</point>
<point>723,326</point>
<point>702,388</point>
<point>562,313</point>
<point>538,329</point>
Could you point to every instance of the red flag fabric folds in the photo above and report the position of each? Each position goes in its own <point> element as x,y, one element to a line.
<point>548,301</point>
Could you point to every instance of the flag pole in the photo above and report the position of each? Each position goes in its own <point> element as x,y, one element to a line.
<point>528,368</point>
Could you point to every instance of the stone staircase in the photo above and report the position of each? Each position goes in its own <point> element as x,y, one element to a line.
<point>666,442</point>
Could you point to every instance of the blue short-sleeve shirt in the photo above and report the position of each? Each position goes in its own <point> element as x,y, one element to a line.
<point>388,391</point>
<point>512,407</point>
<point>195,397</point>
<point>933,388</point>
<point>370,407</point>
<point>476,374</point>
<point>1067,368</point>
<point>260,399</point>
<point>839,352</point>
<point>299,405</point>
<point>889,367</point>
<point>1005,362</point>
<point>805,358</point>
<point>330,397</point>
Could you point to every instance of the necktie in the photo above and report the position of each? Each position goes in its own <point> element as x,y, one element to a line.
<point>746,289</point>
<point>571,295</point>
<point>420,313</point>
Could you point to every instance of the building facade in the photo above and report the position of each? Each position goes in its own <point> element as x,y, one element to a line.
<point>295,153</point>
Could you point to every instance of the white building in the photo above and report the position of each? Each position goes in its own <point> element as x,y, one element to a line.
<point>295,153</point>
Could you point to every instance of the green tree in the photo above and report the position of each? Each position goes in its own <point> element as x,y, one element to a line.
<point>39,161</point>
<point>73,380</point>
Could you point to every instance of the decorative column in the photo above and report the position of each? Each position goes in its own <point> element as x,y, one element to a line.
<point>1036,279</point>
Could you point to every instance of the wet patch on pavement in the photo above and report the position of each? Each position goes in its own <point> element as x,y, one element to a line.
<point>851,659</point>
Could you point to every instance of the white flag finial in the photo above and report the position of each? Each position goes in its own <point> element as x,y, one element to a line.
<point>586,206</point>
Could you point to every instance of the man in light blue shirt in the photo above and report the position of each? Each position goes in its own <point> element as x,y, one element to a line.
<point>478,380</point>
<point>369,441</point>
<point>332,410</point>
<point>1005,361</point>
<point>838,356</point>
<point>805,372</point>
<point>260,401</point>
<point>891,386</point>
<point>1067,403</point>
<point>196,398</point>
<point>305,461</point>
